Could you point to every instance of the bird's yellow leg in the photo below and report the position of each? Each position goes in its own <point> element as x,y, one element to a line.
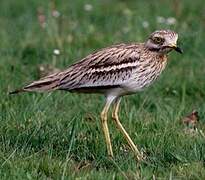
<point>123,131</point>
<point>105,129</point>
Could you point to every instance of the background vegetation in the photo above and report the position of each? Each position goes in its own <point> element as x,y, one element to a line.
<point>57,135</point>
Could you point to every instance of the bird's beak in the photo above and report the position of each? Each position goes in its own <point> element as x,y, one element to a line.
<point>176,48</point>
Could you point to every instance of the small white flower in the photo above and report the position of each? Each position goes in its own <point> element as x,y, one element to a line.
<point>55,13</point>
<point>56,52</point>
<point>88,7</point>
<point>145,24</point>
<point>42,68</point>
<point>171,21</point>
<point>161,19</point>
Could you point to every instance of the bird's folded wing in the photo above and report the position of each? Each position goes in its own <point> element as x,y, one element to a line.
<point>106,68</point>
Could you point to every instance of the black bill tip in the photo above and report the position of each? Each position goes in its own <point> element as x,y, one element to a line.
<point>178,49</point>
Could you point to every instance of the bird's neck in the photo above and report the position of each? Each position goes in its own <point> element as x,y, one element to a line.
<point>162,57</point>
<point>155,54</point>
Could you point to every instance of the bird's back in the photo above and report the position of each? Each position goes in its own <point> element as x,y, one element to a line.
<point>128,67</point>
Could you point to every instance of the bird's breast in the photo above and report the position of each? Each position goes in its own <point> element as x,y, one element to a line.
<point>145,74</point>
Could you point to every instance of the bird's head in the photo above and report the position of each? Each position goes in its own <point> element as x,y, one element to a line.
<point>163,41</point>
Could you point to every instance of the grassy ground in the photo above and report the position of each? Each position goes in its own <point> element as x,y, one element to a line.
<point>58,135</point>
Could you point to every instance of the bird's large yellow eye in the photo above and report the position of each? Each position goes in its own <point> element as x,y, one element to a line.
<point>158,40</point>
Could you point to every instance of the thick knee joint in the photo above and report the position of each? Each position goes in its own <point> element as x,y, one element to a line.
<point>115,117</point>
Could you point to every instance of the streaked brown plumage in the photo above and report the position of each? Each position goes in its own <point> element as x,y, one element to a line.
<point>114,71</point>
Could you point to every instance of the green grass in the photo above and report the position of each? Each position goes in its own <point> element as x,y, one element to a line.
<point>57,135</point>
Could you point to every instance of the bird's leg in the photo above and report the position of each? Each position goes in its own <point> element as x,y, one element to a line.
<point>123,131</point>
<point>105,129</point>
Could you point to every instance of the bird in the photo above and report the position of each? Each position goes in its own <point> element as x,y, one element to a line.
<point>114,71</point>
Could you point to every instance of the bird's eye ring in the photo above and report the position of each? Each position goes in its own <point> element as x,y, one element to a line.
<point>158,40</point>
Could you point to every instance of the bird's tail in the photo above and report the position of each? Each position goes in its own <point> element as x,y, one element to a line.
<point>47,83</point>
